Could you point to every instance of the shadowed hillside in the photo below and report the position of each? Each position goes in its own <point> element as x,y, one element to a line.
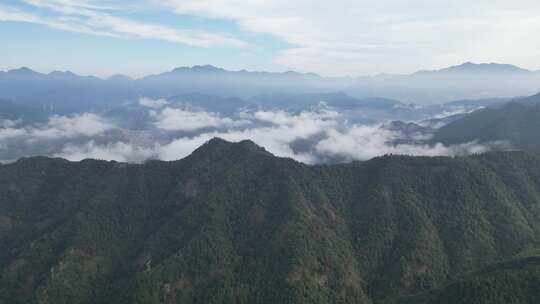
<point>515,281</point>
<point>517,123</point>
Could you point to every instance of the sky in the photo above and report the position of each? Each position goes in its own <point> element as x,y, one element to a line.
<point>331,38</point>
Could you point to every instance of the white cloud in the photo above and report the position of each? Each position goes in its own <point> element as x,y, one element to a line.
<point>276,140</point>
<point>173,119</point>
<point>86,124</point>
<point>119,151</point>
<point>8,129</point>
<point>363,142</point>
<point>309,136</point>
<point>153,103</point>
<point>8,123</point>
<point>351,36</point>
<point>456,111</point>
<point>84,17</point>
<point>181,147</point>
<point>322,117</point>
<point>8,132</point>
<point>58,127</point>
<point>285,129</point>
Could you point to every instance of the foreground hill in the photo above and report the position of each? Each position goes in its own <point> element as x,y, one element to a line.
<point>233,224</point>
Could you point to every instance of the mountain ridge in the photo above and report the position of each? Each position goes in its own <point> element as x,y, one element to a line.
<point>498,67</point>
<point>468,81</point>
<point>479,67</point>
<point>516,122</point>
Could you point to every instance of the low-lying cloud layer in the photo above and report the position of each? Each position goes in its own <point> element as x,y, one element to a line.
<point>57,127</point>
<point>173,132</point>
<point>171,119</point>
<point>363,142</point>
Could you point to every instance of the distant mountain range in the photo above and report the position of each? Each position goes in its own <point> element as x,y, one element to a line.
<point>466,81</point>
<point>66,91</point>
<point>338,100</point>
<point>233,224</point>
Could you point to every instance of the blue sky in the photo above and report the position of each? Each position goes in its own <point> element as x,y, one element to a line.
<point>99,50</point>
<point>342,37</point>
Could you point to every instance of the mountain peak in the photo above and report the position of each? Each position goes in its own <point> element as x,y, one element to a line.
<point>62,74</point>
<point>207,68</point>
<point>471,67</point>
<point>119,77</point>
<point>218,142</point>
<point>485,67</point>
<point>199,68</point>
<point>23,71</point>
<point>217,148</point>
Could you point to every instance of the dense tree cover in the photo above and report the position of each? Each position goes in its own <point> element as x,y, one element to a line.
<point>233,224</point>
<point>512,282</point>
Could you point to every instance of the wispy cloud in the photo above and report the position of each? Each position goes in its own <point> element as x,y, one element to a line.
<point>85,17</point>
<point>351,37</point>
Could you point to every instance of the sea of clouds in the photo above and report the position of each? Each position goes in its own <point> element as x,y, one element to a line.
<point>172,132</point>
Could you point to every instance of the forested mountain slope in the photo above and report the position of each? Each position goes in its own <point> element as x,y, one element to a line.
<point>517,123</point>
<point>516,281</point>
<point>233,224</point>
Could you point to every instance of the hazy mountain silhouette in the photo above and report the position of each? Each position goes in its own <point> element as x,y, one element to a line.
<point>67,91</point>
<point>466,81</point>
